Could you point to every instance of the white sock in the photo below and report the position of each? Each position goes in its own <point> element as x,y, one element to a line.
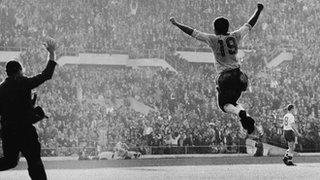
<point>239,106</point>
<point>232,109</point>
<point>242,108</point>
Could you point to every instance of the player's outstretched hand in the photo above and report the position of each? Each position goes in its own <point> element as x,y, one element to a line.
<point>173,21</point>
<point>50,45</point>
<point>260,6</point>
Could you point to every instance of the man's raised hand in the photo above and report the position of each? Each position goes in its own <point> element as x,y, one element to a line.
<point>50,45</point>
<point>260,6</point>
<point>173,21</point>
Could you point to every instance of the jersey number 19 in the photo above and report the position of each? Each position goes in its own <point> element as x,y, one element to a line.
<point>231,46</point>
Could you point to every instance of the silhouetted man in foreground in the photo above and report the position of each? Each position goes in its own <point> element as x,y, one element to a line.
<point>18,114</point>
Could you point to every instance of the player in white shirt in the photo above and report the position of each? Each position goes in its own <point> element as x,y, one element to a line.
<point>290,129</point>
<point>231,81</point>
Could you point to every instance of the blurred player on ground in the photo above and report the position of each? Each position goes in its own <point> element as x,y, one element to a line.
<point>121,151</point>
<point>231,81</point>
<point>290,129</point>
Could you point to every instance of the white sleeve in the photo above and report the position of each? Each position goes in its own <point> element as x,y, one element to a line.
<point>242,31</point>
<point>201,36</point>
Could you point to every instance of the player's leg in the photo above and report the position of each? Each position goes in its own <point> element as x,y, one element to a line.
<point>287,159</point>
<point>230,108</point>
<point>286,156</point>
<point>290,154</point>
<point>227,101</point>
<point>10,146</point>
<point>230,86</point>
<point>31,150</point>
<point>246,120</point>
<point>226,93</point>
<point>290,149</point>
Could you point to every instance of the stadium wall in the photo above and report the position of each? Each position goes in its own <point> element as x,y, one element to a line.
<point>6,56</point>
<point>98,59</point>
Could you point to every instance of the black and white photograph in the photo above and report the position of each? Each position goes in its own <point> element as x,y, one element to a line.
<point>159,89</point>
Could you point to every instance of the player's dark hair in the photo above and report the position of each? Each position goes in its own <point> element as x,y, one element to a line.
<point>290,107</point>
<point>221,25</point>
<point>13,67</point>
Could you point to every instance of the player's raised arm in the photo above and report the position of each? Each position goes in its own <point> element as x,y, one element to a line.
<point>47,73</point>
<point>244,30</point>
<point>186,29</point>
<point>191,32</point>
<point>253,20</point>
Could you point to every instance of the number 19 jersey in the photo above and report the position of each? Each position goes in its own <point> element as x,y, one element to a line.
<point>224,47</point>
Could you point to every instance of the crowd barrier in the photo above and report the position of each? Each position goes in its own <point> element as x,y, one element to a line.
<point>11,48</point>
<point>157,150</point>
<point>195,149</point>
<point>148,150</point>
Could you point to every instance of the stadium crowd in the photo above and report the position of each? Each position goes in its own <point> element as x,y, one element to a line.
<point>90,105</point>
<point>135,25</point>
